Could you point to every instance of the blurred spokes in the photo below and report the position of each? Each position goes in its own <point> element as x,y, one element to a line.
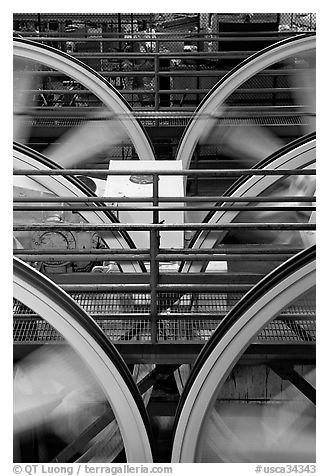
<point>303,82</point>
<point>84,142</point>
<point>280,430</point>
<point>56,394</point>
<point>249,144</point>
<point>23,83</point>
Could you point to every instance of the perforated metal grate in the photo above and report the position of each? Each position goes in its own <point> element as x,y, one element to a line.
<point>173,121</point>
<point>126,331</point>
<point>305,306</point>
<point>20,309</point>
<point>34,330</point>
<point>289,331</point>
<point>186,330</point>
<point>296,324</point>
<point>100,303</point>
<point>192,303</point>
<point>264,121</point>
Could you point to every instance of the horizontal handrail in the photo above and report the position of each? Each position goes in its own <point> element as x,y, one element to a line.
<point>171,91</point>
<point>235,112</point>
<point>171,288</point>
<point>198,172</point>
<point>82,256</point>
<point>163,226</point>
<point>75,208</point>
<point>219,250</point>
<point>163,64</point>
<point>165,315</point>
<point>172,55</point>
<point>221,198</point>
<point>181,36</point>
<point>170,72</point>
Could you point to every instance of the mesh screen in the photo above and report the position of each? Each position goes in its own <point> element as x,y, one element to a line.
<point>296,324</point>
<point>289,331</point>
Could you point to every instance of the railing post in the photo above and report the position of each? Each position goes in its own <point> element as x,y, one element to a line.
<point>154,265</point>
<point>120,49</point>
<point>156,77</point>
<point>39,23</point>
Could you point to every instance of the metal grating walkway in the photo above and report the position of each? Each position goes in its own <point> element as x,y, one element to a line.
<point>174,121</point>
<point>191,318</point>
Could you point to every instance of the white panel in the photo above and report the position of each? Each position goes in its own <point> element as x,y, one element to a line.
<point>169,186</point>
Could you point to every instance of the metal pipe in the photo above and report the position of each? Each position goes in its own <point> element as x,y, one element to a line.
<point>164,226</point>
<point>245,208</point>
<point>235,112</point>
<point>221,198</point>
<point>67,255</point>
<point>200,38</point>
<point>222,257</point>
<point>214,315</point>
<point>156,78</point>
<point>221,249</point>
<point>178,55</point>
<point>142,288</point>
<point>134,288</point>
<point>182,72</point>
<point>97,252</point>
<point>199,172</point>
<point>169,91</point>
<point>189,288</point>
<point>154,265</point>
<point>233,249</point>
<point>113,316</point>
<point>173,315</point>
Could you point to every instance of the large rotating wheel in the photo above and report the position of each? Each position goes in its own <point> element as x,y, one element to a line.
<point>299,154</point>
<point>25,158</point>
<point>88,349</point>
<point>281,428</point>
<point>253,142</point>
<point>110,126</point>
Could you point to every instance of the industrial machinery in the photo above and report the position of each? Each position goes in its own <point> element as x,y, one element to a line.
<point>165,350</point>
<point>210,423</point>
<point>87,347</point>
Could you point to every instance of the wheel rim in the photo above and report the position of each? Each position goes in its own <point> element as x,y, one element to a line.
<point>25,158</point>
<point>227,85</point>
<point>47,300</point>
<point>96,84</point>
<point>300,155</point>
<point>234,334</point>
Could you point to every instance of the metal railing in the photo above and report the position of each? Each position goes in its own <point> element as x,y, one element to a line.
<point>162,75</point>
<point>162,304</point>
